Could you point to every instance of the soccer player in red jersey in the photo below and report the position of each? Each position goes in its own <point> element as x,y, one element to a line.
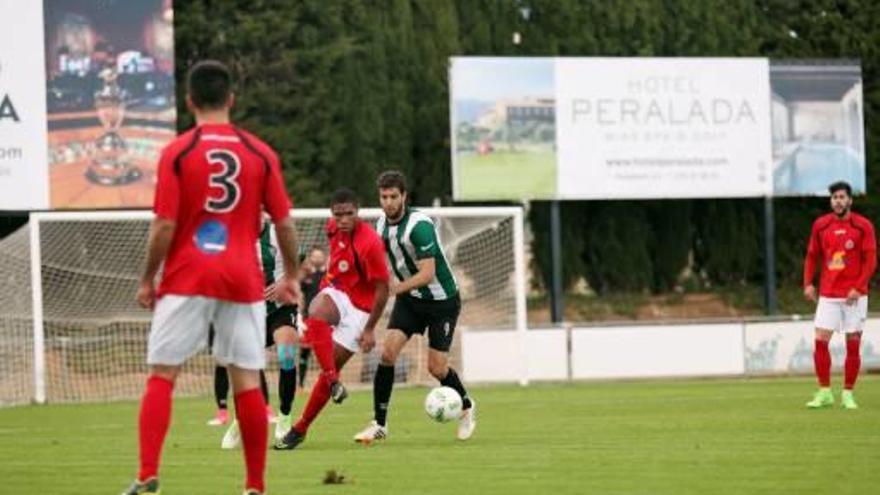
<point>343,315</point>
<point>843,243</point>
<point>213,184</point>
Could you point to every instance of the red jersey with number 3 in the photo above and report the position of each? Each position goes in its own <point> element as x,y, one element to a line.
<point>214,182</point>
<point>847,251</point>
<point>357,262</point>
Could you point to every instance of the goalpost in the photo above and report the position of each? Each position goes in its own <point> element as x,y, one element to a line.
<point>70,329</point>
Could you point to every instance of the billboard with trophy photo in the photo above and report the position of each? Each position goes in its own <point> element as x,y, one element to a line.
<point>109,99</point>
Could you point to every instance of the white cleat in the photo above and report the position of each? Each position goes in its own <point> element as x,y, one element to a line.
<point>282,425</point>
<point>371,433</point>
<point>232,438</point>
<point>467,423</point>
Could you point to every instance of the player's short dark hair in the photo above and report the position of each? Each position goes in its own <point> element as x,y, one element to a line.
<point>343,196</point>
<point>840,185</point>
<point>209,84</point>
<point>392,178</point>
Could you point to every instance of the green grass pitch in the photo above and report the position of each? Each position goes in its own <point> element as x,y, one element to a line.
<point>671,437</point>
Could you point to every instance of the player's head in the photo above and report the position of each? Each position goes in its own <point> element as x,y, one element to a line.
<point>344,207</point>
<point>841,197</point>
<point>317,258</point>
<point>392,193</point>
<point>209,87</point>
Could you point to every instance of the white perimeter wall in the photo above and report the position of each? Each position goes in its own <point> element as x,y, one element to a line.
<point>651,351</point>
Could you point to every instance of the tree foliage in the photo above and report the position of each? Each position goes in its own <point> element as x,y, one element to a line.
<point>346,88</point>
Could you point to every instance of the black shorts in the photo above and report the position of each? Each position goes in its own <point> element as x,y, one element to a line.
<point>284,316</point>
<point>412,316</point>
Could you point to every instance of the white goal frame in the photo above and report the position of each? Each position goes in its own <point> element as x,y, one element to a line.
<point>38,218</point>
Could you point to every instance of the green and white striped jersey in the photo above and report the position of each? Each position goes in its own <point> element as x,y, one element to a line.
<point>270,259</point>
<point>415,238</point>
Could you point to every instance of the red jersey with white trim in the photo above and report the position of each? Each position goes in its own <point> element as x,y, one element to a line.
<point>214,182</point>
<point>847,251</point>
<point>357,262</point>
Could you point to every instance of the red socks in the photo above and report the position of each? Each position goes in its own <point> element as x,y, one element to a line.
<point>853,361</point>
<point>319,334</point>
<point>155,416</point>
<point>250,409</point>
<point>317,400</point>
<point>822,363</point>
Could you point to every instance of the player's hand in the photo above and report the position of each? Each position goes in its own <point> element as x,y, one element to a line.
<point>146,295</point>
<point>367,340</point>
<point>395,289</point>
<point>853,296</point>
<point>810,292</point>
<point>284,291</point>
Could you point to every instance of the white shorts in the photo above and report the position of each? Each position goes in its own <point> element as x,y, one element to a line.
<point>180,329</point>
<point>351,320</point>
<point>835,314</point>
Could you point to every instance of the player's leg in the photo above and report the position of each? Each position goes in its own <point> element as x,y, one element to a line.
<point>853,325</point>
<point>232,437</point>
<point>239,344</point>
<point>303,366</point>
<point>442,318</point>
<point>829,316</point>
<point>253,423</point>
<point>221,389</point>
<point>174,337</point>
<point>383,384</point>
<point>318,398</point>
<point>405,322</point>
<point>285,338</point>
<point>324,314</point>
<point>221,392</point>
<point>264,389</point>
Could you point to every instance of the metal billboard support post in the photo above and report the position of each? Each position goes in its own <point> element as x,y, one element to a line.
<point>770,300</point>
<point>557,307</point>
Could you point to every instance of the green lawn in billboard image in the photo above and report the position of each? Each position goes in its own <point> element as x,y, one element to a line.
<point>506,175</point>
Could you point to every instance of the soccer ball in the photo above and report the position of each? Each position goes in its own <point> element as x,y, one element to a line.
<point>443,404</point>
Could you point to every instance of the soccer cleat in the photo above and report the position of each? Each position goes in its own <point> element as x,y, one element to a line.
<point>467,423</point>
<point>338,392</point>
<point>148,487</point>
<point>374,431</point>
<point>252,492</point>
<point>282,425</point>
<point>232,438</point>
<point>270,414</point>
<point>290,440</point>
<point>220,419</point>
<point>847,400</point>
<point>822,398</point>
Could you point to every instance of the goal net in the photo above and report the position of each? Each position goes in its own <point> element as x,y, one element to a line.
<point>71,331</point>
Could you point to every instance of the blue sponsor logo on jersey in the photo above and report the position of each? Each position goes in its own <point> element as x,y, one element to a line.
<point>211,237</point>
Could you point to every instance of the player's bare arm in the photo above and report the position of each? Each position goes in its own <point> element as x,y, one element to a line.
<point>810,292</point>
<point>161,234</point>
<point>423,277</point>
<point>287,290</point>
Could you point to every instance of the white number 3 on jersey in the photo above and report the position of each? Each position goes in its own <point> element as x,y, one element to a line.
<point>223,179</point>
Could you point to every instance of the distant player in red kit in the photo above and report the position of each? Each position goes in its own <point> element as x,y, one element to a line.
<point>843,243</point>
<point>343,316</point>
<point>213,184</point>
